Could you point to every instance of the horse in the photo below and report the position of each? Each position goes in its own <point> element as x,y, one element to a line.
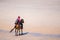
<point>17,28</point>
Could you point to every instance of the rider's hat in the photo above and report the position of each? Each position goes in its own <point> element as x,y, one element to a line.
<point>18,16</point>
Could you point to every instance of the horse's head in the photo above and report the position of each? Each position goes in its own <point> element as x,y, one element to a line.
<point>22,20</point>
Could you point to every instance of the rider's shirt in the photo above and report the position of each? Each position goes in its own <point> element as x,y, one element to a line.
<point>17,21</point>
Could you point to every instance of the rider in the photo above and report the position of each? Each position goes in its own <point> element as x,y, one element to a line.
<point>18,20</point>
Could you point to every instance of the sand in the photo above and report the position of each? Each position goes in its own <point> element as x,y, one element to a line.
<point>34,33</point>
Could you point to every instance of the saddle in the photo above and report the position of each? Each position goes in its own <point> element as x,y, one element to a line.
<point>17,26</point>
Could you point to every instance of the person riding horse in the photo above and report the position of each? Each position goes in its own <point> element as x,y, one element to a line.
<point>18,25</point>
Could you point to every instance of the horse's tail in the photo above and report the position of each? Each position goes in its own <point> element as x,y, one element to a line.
<point>11,30</point>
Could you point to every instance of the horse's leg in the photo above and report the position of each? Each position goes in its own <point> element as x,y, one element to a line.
<point>21,28</point>
<point>21,31</point>
<point>15,32</point>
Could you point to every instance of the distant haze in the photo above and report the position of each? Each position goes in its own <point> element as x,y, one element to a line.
<point>36,13</point>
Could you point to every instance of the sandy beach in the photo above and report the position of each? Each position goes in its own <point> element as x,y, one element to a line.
<point>33,34</point>
<point>41,19</point>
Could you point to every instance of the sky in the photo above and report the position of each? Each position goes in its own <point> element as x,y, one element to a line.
<point>36,13</point>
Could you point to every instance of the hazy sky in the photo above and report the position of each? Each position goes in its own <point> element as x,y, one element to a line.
<point>34,12</point>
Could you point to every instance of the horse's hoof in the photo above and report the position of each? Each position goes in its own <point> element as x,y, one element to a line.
<point>19,34</point>
<point>16,35</point>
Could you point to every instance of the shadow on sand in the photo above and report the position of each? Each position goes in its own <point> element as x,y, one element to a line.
<point>46,35</point>
<point>25,33</point>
